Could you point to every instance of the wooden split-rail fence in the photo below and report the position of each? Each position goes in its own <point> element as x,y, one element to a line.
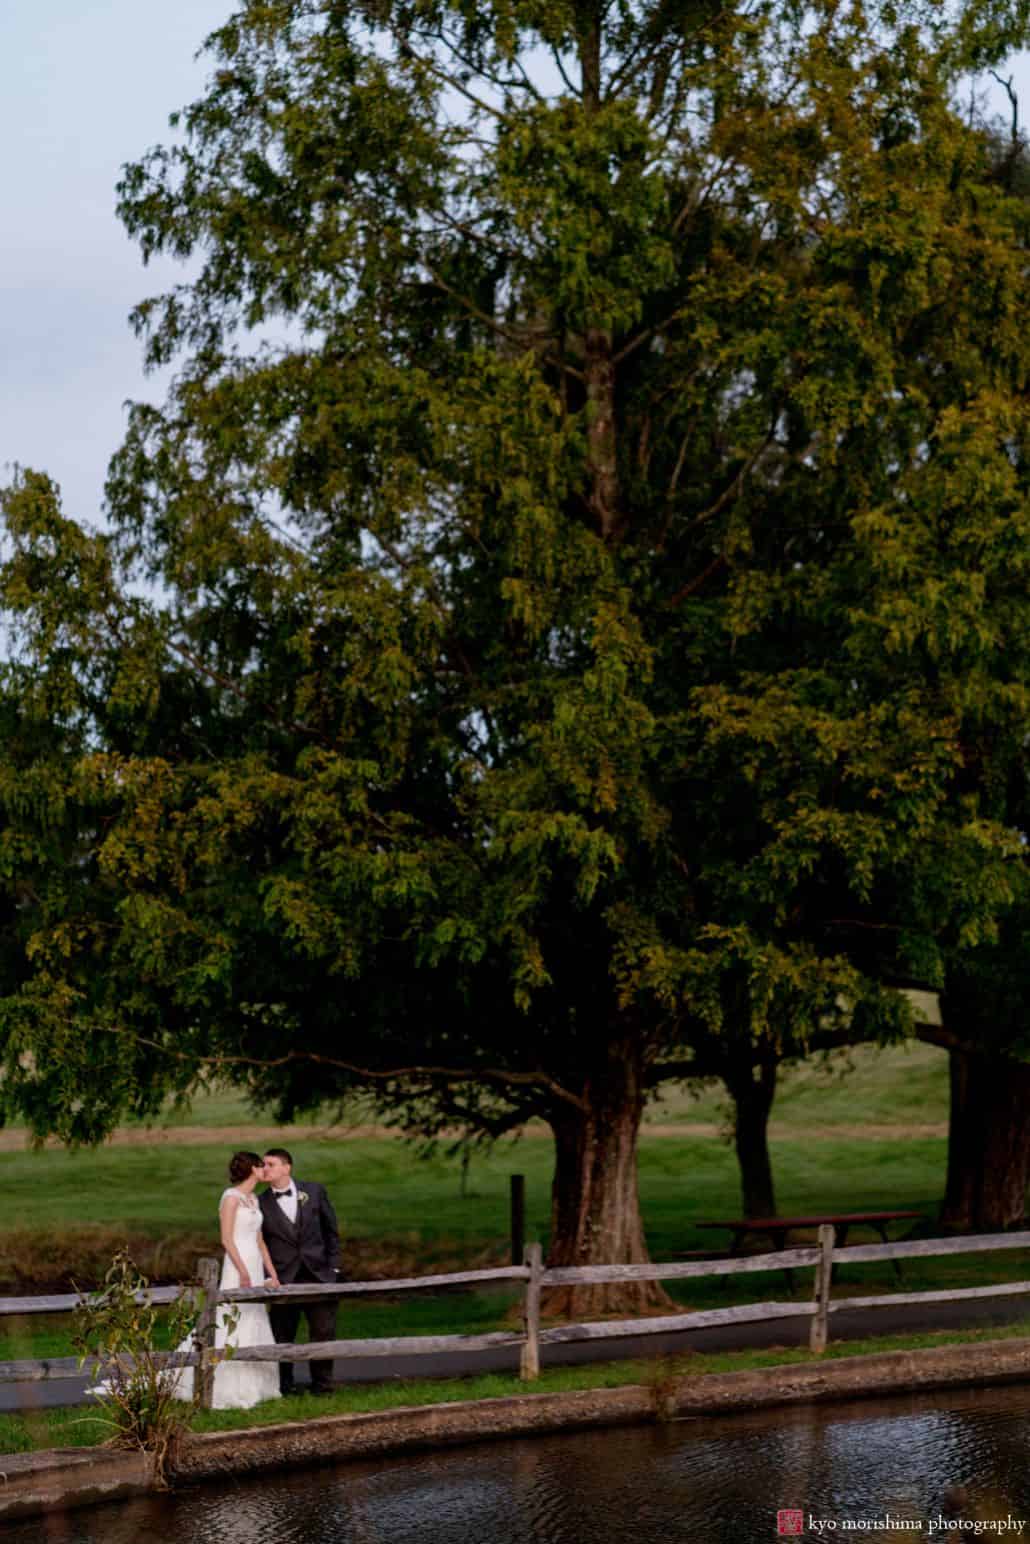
<point>823,1256</point>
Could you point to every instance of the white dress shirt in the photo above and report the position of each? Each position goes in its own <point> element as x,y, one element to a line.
<point>289,1205</point>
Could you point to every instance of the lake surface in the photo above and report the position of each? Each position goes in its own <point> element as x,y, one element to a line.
<point>869,1468</point>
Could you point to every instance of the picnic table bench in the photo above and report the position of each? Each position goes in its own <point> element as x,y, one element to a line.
<point>778,1228</point>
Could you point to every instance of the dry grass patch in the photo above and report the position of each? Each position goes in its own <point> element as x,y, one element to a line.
<point>36,1264</point>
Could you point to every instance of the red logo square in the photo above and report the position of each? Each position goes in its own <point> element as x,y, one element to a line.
<point>790,1519</point>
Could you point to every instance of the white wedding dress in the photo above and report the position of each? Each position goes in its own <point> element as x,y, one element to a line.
<point>239,1385</point>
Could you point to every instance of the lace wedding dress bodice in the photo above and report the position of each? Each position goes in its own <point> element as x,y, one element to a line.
<point>245,1234</point>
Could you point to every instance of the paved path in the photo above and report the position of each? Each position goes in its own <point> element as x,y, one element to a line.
<point>844,1325</point>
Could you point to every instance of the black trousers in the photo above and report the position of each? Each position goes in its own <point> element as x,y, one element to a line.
<point>321,1316</point>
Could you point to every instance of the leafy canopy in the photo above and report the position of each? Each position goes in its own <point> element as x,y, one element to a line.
<point>551,625</point>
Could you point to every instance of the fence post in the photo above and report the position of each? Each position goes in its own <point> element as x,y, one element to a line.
<point>518,1218</point>
<point>529,1362</point>
<point>820,1325</point>
<point>204,1335</point>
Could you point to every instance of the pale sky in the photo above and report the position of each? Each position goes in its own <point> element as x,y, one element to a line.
<point>86,86</point>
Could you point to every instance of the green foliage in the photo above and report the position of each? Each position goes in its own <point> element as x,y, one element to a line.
<point>118,1327</point>
<point>548,633</point>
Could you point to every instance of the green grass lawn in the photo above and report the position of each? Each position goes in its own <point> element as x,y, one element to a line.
<point>383,1190</point>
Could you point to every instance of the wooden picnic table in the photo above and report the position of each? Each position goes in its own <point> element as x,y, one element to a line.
<point>778,1228</point>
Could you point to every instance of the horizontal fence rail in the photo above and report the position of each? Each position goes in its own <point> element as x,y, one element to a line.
<point>66,1302</point>
<point>535,1278</point>
<point>783,1259</point>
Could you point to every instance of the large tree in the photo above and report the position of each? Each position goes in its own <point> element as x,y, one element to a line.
<point>548,605</point>
<point>986,1035</point>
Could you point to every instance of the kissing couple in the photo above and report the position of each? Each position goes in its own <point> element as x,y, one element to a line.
<point>286,1234</point>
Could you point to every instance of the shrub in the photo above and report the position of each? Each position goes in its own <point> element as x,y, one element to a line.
<point>117,1325</point>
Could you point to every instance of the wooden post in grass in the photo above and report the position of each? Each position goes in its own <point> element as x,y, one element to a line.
<point>820,1325</point>
<point>204,1335</point>
<point>518,1218</point>
<point>529,1362</point>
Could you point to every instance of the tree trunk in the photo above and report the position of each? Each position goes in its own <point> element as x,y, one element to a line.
<point>603,495</point>
<point>753,1088</point>
<point>595,1206</point>
<point>960,1145</point>
<point>988,1143</point>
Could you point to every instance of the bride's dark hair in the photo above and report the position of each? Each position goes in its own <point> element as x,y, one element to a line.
<point>242,1165</point>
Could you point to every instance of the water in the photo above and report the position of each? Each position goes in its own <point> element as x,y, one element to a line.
<point>716,1481</point>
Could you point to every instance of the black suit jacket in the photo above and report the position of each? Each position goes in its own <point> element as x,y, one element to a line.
<point>312,1243</point>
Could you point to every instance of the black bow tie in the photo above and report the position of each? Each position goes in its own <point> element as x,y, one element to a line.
<point>282,1195</point>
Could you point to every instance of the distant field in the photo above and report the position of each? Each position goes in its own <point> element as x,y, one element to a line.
<point>404,1214</point>
<point>900,1086</point>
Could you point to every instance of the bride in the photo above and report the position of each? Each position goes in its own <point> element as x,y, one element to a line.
<point>238,1385</point>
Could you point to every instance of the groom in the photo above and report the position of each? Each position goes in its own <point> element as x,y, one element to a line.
<point>300,1231</point>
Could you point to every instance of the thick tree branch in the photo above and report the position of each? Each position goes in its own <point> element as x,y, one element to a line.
<point>604,498</point>
<point>730,492</point>
<point>1013,97</point>
<point>947,1040</point>
<point>429,1073</point>
<point>719,561</point>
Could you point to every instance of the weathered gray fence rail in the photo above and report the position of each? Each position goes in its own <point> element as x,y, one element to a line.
<point>823,1257</point>
<point>67,1301</point>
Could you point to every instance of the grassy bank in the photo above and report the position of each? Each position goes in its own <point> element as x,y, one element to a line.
<point>35,1430</point>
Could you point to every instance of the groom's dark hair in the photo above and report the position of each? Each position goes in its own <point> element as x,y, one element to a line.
<point>279,1152</point>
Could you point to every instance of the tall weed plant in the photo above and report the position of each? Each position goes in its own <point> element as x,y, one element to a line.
<point>117,1326</point>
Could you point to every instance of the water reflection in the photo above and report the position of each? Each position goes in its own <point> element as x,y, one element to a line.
<point>718,1481</point>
